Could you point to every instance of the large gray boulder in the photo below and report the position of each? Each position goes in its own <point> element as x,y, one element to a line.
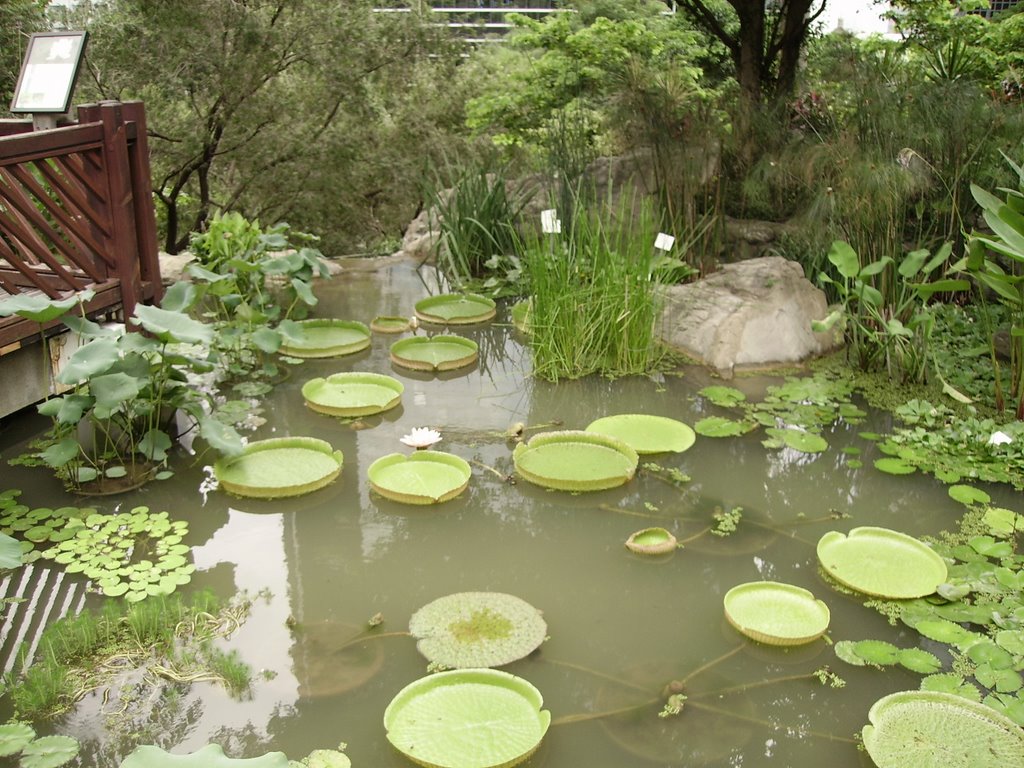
<point>751,314</point>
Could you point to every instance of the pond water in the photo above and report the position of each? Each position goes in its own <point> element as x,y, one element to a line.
<point>621,626</point>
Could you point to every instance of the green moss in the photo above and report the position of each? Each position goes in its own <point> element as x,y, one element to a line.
<point>483,624</point>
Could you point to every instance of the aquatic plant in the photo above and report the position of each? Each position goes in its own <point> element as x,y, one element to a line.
<point>475,718</point>
<point>210,756</point>
<point>645,433</point>
<point>323,337</point>
<point>775,613</point>
<point>425,477</point>
<point>279,467</point>
<point>455,309</point>
<point>573,460</point>
<point>421,437</point>
<point>435,353</point>
<point>477,629</point>
<point>18,738</point>
<point>925,729</point>
<point>651,541</point>
<point>881,562</point>
<point>353,393</point>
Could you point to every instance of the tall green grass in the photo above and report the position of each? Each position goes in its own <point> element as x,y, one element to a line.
<point>594,297</point>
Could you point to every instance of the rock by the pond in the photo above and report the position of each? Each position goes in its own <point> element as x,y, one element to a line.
<point>755,313</point>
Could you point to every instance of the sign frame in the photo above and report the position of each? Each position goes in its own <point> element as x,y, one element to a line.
<point>48,73</point>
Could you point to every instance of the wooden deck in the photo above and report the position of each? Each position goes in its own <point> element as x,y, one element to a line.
<point>76,213</point>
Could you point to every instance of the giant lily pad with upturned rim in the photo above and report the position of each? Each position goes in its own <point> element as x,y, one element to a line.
<point>646,433</point>
<point>881,562</point>
<point>477,629</point>
<point>210,756</point>
<point>279,467</point>
<point>327,337</point>
<point>425,477</point>
<point>775,613</point>
<point>353,393</point>
<point>575,460</point>
<point>389,324</point>
<point>467,718</point>
<point>929,729</point>
<point>434,353</point>
<point>652,541</point>
<point>455,309</point>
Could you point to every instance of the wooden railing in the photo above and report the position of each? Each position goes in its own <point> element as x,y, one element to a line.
<point>76,212</point>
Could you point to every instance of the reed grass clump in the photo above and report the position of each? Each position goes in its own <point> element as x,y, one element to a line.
<point>595,298</point>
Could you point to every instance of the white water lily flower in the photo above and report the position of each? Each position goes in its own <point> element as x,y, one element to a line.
<point>421,437</point>
<point>999,438</point>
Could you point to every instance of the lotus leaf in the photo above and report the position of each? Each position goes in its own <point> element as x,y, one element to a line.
<point>726,397</point>
<point>49,752</point>
<point>389,324</point>
<point>575,461</point>
<point>775,613</point>
<point>646,434</point>
<point>436,353</point>
<point>881,562</point>
<point>479,718</point>
<point>170,326</point>
<point>894,466</point>
<point>326,337</point>
<point>210,756</point>
<point>353,394</point>
<point>477,629</point>
<point>455,309</point>
<point>425,477</point>
<point>42,309</point>
<point>652,541</point>
<point>14,737</point>
<point>279,467</point>
<point>928,729</point>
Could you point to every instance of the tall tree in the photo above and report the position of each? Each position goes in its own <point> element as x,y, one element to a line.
<point>235,91</point>
<point>764,39</point>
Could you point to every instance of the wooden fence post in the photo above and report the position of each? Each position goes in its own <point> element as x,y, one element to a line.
<point>142,196</point>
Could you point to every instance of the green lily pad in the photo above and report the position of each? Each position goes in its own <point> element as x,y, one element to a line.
<point>326,758</point>
<point>575,461</point>
<point>652,541</point>
<point>455,309</point>
<point>210,756</point>
<point>477,629</point>
<point>799,440</point>
<point>881,562</point>
<point>968,495</point>
<point>14,737</point>
<point>727,397</point>
<point>389,324</point>
<point>928,729</point>
<point>425,477</point>
<point>49,752</point>
<point>717,426</point>
<point>353,394</point>
<point>478,718</point>
<point>894,466</point>
<point>435,353</point>
<point>776,614</point>
<point>279,467</point>
<point>646,434</point>
<point>327,337</point>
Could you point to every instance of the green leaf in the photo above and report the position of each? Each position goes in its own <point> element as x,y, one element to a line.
<point>304,291</point>
<point>113,389</point>
<point>727,397</point>
<point>968,495</point>
<point>89,360</point>
<point>14,737</point>
<point>180,297</point>
<point>267,340</point>
<point>222,438</point>
<point>154,445</point>
<point>918,660</point>
<point>49,752</point>
<point>210,756</point>
<point>716,426</point>
<point>951,683</point>
<point>172,326</point>
<point>61,452</point>
<point>844,259</point>
<point>877,652</point>
<point>894,466</point>
<point>41,309</point>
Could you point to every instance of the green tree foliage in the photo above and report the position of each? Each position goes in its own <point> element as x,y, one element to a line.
<point>18,20</point>
<point>245,100</point>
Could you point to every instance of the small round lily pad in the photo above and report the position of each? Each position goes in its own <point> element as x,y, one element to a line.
<point>467,718</point>
<point>425,477</point>
<point>279,467</point>
<point>477,629</point>
<point>881,562</point>
<point>456,309</point>
<point>389,324</point>
<point>652,541</point>
<point>645,433</point>
<point>573,460</point>
<point>434,353</point>
<point>328,337</point>
<point>929,729</point>
<point>776,614</point>
<point>353,394</point>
